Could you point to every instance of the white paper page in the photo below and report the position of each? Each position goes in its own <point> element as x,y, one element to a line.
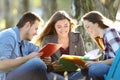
<point>93,54</point>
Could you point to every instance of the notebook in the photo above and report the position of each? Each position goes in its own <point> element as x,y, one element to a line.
<point>49,49</point>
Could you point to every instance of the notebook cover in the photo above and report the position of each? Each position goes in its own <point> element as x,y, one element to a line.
<point>49,49</point>
<point>67,65</point>
<point>79,60</point>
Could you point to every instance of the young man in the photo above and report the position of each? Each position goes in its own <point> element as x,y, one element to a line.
<point>19,59</point>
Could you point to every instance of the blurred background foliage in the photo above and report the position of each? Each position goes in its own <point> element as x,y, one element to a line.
<point>11,11</point>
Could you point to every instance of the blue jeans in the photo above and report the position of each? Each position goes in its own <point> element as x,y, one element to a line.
<point>96,71</point>
<point>33,69</point>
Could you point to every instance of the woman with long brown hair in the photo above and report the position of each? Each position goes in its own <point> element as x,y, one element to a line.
<point>58,29</point>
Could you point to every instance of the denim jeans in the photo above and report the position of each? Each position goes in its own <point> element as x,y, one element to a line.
<point>96,71</point>
<point>33,69</point>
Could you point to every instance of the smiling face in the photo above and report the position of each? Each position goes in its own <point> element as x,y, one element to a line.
<point>62,27</point>
<point>91,28</point>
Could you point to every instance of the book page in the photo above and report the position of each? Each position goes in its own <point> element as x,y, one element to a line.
<point>93,54</point>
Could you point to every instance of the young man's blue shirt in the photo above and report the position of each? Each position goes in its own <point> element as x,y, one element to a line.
<point>9,46</point>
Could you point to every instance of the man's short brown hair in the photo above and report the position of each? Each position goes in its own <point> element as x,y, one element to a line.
<point>28,17</point>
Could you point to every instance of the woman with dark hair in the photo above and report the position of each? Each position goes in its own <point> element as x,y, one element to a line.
<point>100,27</point>
<point>59,30</point>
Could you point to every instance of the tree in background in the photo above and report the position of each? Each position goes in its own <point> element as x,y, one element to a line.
<point>48,8</point>
<point>8,13</point>
<point>11,11</point>
<point>23,6</point>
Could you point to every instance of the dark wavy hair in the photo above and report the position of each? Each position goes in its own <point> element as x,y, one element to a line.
<point>97,17</point>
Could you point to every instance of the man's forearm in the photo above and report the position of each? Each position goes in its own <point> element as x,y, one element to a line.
<point>11,63</point>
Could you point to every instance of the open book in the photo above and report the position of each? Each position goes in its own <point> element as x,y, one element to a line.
<point>49,49</point>
<point>79,60</point>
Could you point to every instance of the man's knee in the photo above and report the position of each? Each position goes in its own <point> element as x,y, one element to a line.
<point>38,63</point>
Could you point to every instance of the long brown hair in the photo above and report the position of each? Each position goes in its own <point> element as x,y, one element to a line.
<point>97,17</point>
<point>102,21</point>
<point>49,28</point>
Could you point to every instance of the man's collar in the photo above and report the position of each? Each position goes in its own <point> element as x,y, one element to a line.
<point>17,33</point>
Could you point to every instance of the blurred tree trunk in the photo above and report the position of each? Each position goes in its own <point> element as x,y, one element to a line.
<point>48,8</point>
<point>80,7</point>
<point>118,14</point>
<point>1,9</point>
<point>1,14</point>
<point>8,6</point>
<point>23,6</point>
<point>10,15</point>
